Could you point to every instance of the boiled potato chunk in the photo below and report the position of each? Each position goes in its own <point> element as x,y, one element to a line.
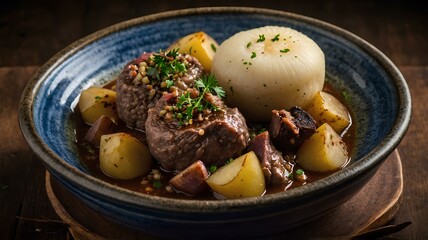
<point>241,178</point>
<point>123,156</point>
<point>323,151</point>
<point>200,45</point>
<point>325,108</point>
<point>95,102</point>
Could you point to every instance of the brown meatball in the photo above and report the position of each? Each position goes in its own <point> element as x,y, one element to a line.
<point>142,83</point>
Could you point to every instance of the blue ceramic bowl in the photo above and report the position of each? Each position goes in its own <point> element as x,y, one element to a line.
<point>379,99</point>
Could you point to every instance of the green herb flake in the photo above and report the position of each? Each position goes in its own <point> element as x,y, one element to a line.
<point>261,38</point>
<point>300,171</point>
<point>248,44</point>
<point>187,106</point>
<point>97,98</point>
<point>228,161</point>
<point>346,96</point>
<point>153,72</point>
<point>169,83</point>
<point>213,47</point>
<point>253,55</point>
<point>157,184</point>
<point>260,128</point>
<point>285,50</point>
<point>212,168</point>
<point>276,38</point>
<point>165,65</point>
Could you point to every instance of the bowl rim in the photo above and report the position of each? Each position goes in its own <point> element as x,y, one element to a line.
<point>106,190</point>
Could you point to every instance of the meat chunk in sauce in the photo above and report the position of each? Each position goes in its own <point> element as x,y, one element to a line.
<point>137,90</point>
<point>275,168</point>
<point>289,129</point>
<point>223,135</point>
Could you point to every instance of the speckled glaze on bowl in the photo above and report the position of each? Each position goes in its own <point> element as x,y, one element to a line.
<point>378,97</point>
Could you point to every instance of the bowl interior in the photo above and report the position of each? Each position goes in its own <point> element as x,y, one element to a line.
<point>350,66</point>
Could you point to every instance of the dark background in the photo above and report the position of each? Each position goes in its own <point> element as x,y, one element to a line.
<point>33,31</point>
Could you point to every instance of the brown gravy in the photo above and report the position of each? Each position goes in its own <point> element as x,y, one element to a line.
<point>89,156</point>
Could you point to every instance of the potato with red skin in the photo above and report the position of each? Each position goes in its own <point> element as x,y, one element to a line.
<point>191,180</point>
<point>104,125</point>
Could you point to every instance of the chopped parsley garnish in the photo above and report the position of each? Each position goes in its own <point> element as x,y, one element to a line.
<point>228,161</point>
<point>209,84</point>
<point>261,38</point>
<point>188,106</point>
<point>346,96</point>
<point>248,44</point>
<point>285,50</point>
<point>212,168</point>
<point>276,38</point>
<point>169,83</point>
<point>298,174</point>
<point>165,65</point>
<point>260,128</point>
<point>157,184</point>
<point>213,47</point>
<point>253,54</point>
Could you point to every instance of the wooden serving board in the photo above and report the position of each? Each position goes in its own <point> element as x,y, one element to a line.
<point>374,206</point>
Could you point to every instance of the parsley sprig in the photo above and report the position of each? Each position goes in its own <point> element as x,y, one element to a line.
<point>209,84</point>
<point>276,38</point>
<point>187,106</point>
<point>261,38</point>
<point>165,65</point>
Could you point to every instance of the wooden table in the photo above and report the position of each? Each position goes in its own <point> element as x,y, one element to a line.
<point>30,33</point>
